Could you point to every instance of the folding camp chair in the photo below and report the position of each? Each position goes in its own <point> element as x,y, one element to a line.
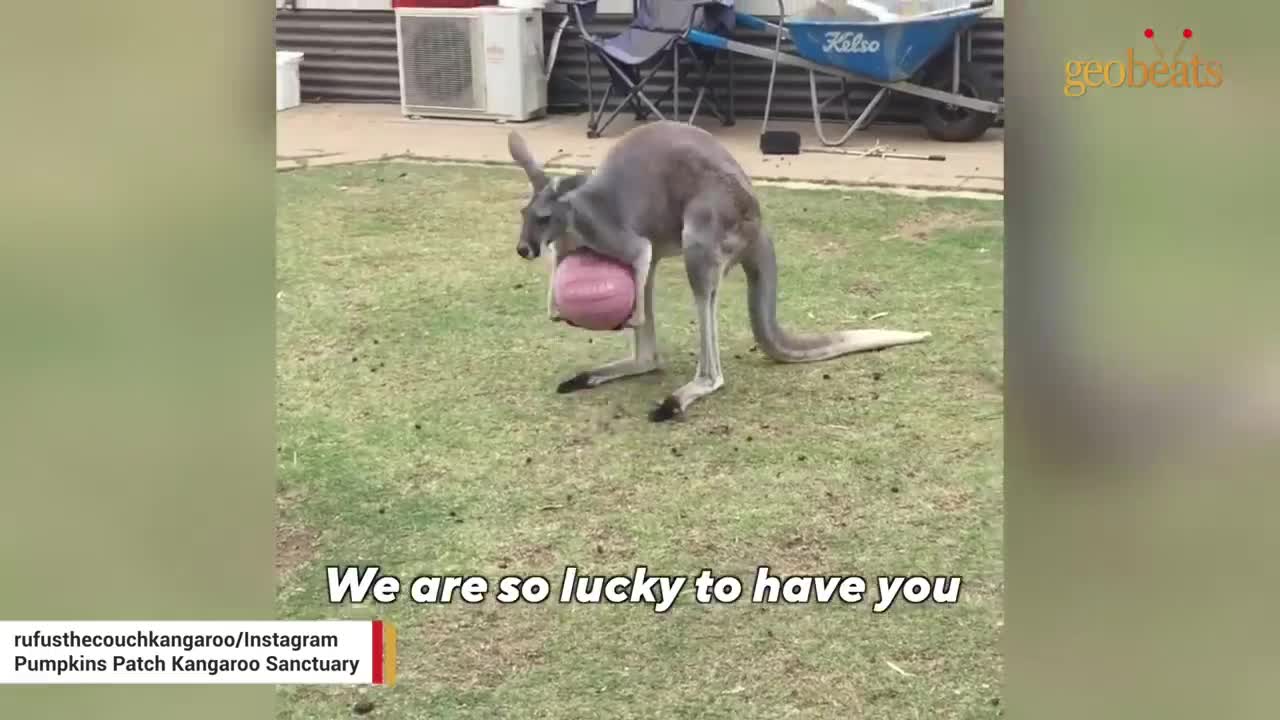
<point>655,34</point>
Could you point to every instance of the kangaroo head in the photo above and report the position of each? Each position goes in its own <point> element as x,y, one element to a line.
<point>547,216</point>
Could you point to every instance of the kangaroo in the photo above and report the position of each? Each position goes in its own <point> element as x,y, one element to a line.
<point>668,189</point>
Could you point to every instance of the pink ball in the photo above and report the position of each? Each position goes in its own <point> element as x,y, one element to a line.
<point>594,292</point>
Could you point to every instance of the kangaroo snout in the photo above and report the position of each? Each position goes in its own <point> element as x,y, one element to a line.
<point>526,252</point>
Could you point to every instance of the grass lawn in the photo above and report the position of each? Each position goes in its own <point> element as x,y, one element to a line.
<point>419,430</point>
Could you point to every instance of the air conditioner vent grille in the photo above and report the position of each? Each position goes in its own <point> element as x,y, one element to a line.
<point>440,63</point>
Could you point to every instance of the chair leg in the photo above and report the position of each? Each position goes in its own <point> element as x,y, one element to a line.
<point>636,93</point>
<point>675,82</point>
<point>643,114</point>
<point>703,68</point>
<point>554,52</point>
<point>593,129</point>
<point>697,103</point>
<point>700,82</point>
<point>638,110</point>
<point>585,100</point>
<point>733,118</point>
<point>586,48</point>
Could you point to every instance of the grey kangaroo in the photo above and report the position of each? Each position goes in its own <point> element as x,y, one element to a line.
<point>668,189</point>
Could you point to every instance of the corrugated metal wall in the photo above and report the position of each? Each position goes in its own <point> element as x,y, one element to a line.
<point>351,57</point>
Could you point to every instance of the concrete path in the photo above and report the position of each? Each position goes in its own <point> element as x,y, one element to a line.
<point>315,134</point>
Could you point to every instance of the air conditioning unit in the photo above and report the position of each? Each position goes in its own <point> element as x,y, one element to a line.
<point>479,62</point>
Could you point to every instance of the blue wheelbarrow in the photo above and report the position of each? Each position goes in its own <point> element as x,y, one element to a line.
<point>896,55</point>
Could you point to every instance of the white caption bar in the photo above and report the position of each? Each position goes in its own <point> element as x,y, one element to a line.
<point>331,652</point>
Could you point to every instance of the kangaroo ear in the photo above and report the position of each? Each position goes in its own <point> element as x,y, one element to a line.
<point>520,153</point>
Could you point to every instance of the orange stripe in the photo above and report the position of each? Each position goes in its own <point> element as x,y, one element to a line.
<point>389,663</point>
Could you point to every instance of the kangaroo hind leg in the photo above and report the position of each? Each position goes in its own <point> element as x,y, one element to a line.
<point>644,358</point>
<point>705,262</point>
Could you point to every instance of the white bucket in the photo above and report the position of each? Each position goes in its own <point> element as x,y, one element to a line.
<point>288,88</point>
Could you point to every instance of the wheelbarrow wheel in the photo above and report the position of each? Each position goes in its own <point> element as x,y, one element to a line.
<point>951,123</point>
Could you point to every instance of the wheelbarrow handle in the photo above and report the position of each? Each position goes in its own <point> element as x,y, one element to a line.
<point>958,9</point>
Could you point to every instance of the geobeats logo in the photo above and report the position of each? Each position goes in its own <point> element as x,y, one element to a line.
<point>1084,75</point>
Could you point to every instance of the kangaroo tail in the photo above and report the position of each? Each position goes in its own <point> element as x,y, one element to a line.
<point>761,266</point>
